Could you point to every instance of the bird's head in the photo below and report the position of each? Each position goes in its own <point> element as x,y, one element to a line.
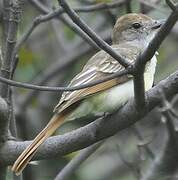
<point>135,28</point>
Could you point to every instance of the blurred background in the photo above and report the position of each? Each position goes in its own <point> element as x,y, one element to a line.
<point>52,55</point>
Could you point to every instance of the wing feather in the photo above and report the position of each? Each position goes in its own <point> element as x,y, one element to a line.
<point>99,66</point>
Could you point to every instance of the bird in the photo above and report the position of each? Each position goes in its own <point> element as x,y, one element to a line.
<point>131,35</point>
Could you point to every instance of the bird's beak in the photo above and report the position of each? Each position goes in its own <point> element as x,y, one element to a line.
<point>157,24</point>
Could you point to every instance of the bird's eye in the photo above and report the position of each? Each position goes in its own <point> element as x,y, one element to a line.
<point>136,25</point>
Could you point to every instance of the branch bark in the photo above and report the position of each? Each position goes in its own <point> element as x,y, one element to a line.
<point>14,11</point>
<point>58,12</point>
<point>11,18</point>
<point>3,121</point>
<point>95,131</point>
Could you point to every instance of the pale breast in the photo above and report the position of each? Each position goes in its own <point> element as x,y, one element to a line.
<point>149,73</point>
<point>106,101</point>
<point>113,98</point>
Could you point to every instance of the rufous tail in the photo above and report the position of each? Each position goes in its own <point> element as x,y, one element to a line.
<point>55,122</point>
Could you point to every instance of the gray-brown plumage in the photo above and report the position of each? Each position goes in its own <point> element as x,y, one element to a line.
<point>129,42</point>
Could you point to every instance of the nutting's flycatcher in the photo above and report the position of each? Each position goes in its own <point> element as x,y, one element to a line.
<point>131,35</point>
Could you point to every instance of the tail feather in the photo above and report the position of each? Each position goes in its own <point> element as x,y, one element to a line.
<point>29,152</point>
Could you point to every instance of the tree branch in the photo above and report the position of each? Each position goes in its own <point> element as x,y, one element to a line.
<point>150,7</point>
<point>51,71</point>
<point>95,131</point>
<point>11,18</point>
<point>56,14</point>
<point>148,53</point>
<point>54,69</point>
<point>3,121</point>
<point>48,88</point>
<point>69,169</point>
<point>102,44</point>
<point>7,58</point>
<point>3,132</point>
<point>138,134</point>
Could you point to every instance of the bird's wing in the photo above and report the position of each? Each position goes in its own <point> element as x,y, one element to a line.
<point>99,66</point>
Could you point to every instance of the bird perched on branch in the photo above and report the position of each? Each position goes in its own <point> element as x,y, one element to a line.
<point>131,36</point>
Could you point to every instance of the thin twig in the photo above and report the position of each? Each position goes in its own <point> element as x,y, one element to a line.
<point>55,68</point>
<point>165,165</point>
<point>83,155</point>
<point>77,30</point>
<point>130,165</point>
<point>88,8</point>
<point>152,6</point>
<point>43,18</point>
<point>102,44</point>
<point>165,110</point>
<point>48,88</point>
<point>148,53</point>
<point>3,132</point>
<point>171,5</point>
<point>43,9</point>
<point>57,13</point>
<point>138,133</point>
<point>3,121</point>
<point>5,24</point>
<point>51,71</point>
